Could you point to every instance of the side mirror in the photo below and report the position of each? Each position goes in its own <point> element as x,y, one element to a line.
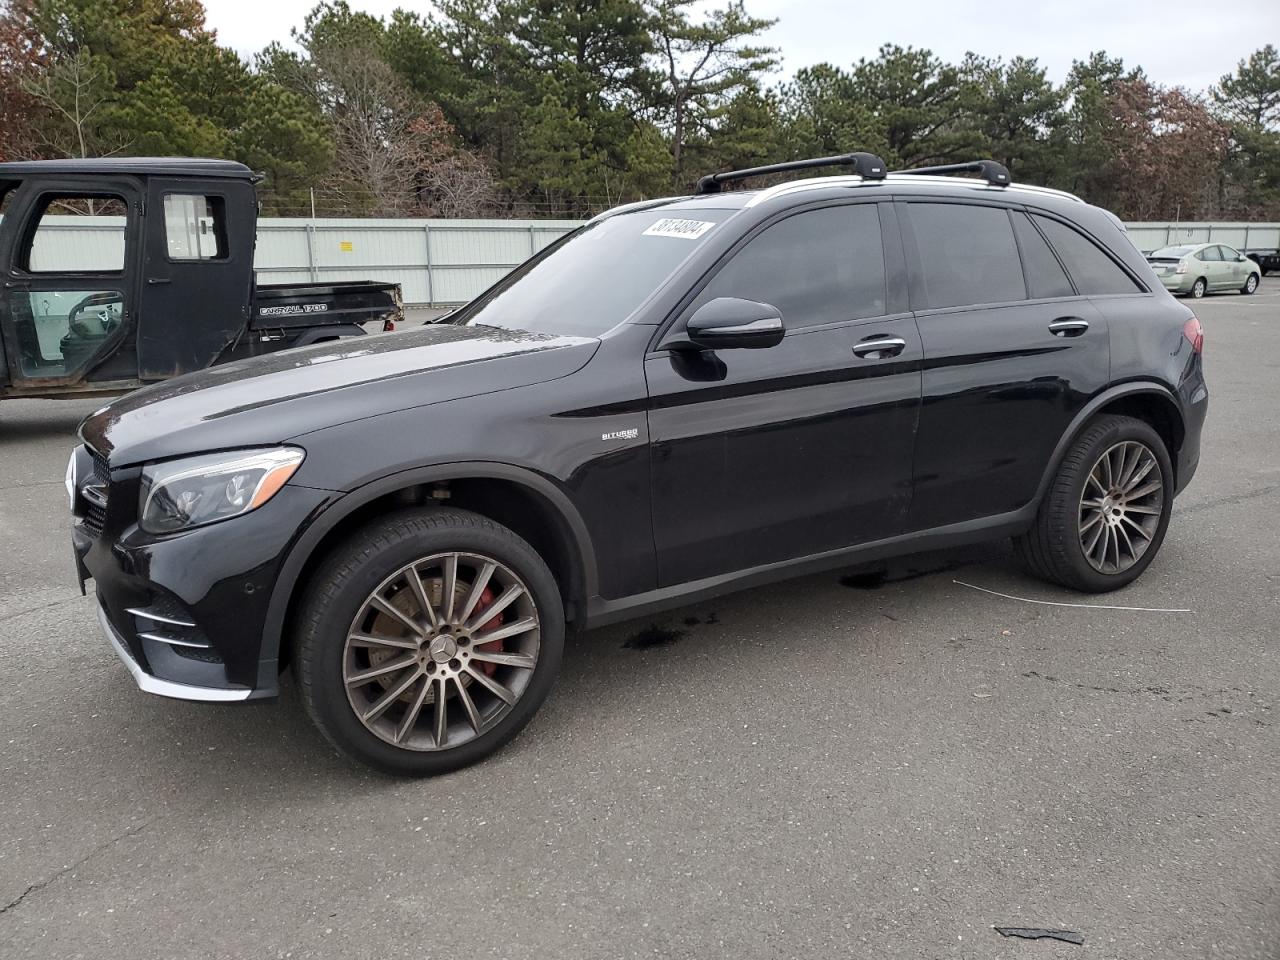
<point>727,323</point>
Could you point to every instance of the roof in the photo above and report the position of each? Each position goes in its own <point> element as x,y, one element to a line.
<point>138,166</point>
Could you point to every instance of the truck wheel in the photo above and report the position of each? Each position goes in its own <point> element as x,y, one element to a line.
<point>1250,285</point>
<point>1104,516</point>
<point>428,640</point>
<point>1198,288</point>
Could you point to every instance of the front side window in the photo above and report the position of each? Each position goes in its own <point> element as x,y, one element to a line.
<point>821,266</point>
<point>194,227</point>
<point>1093,271</point>
<point>1210,255</point>
<point>967,254</point>
<point>76,234</point>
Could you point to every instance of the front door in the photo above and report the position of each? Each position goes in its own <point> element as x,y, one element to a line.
<point>68,250</point>
<point>197,273</point>
<point>766,455</point>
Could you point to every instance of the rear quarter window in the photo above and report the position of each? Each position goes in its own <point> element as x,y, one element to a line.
<point>1093,271</point>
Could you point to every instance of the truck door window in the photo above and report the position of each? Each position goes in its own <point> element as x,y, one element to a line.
<point>67,314</point>
<point>76,234</point>
<point>194,227</point>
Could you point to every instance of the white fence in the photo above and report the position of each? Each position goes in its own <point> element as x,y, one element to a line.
<point>1243,236</point>
<point>442,262</point>
<point>434,261</point>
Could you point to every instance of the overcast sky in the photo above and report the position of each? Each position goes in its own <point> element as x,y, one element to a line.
<point>1189,43</point>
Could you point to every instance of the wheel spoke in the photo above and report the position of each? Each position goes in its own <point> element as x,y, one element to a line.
<point>477,590</point>
<point>1121,533</point>
<point>1142,508</point>
<point>1138,474</point>
<point>448,585</point>
<point>509,596</point>
<point>390,610</point>
<point>1084,527</point>
<point>473,715</point>
<point>1146,491</point>
<point>1093,478</point>
<point>368,640</point>
<point>1093,541</point>
<point>420,594</point>
<point>1115,540</point>
<point>1127,466</point>
<point>411,715</point>
<point>440,728</point>
<point>391,696</point>
<point>492,685</point>
<point>506,630</point>
<point>1095,504</point>
<point>382,669</point>
<point>1137,527</point>
<point>522,660</point>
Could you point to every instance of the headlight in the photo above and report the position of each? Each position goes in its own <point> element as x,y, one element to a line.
<point>69,481</point>
<point>189,493</point>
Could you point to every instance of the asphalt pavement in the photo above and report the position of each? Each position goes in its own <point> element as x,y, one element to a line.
<point>866,766</point>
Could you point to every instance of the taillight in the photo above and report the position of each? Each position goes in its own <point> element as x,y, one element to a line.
<point>1181,267</point>
<point>1194,333</point>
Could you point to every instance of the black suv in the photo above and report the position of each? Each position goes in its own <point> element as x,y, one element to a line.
<point>682,398</point>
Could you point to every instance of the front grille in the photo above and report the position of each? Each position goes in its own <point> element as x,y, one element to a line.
<point>101,469</point>
<point>95,518</point>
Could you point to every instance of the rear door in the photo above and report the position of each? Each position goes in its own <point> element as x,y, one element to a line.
<point>1216,270</point>
<point>69,250</point>
<point>197,273</point>
<point>1012,351</point>
<point>761,456</point>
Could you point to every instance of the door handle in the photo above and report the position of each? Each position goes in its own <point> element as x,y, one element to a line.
<point>1068,327</point>
<point>156,281</point>
<point>879,347</point>
<point>17,285</point>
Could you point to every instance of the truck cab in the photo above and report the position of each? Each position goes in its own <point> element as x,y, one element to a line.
<point>124,271</point>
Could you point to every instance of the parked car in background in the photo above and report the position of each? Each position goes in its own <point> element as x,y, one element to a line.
<point>1194,269</point>
<point>124,271</point>
<point>1267,260</point>
<point>682,398</point>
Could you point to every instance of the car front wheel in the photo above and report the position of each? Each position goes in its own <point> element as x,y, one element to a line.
<point>1105,514</point>
<point>428,640</point>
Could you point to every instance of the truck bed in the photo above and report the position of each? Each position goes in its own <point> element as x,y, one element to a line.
<point>283,306</point>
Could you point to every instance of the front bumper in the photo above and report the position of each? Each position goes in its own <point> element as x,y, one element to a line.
<point>166,688</point>
<point>187,613</point>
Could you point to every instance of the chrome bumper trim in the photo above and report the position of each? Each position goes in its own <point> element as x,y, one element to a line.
<point>166,688</point>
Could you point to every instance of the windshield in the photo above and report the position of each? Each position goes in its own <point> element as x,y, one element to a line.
<point>594,278</point>
<point>1172,252</point>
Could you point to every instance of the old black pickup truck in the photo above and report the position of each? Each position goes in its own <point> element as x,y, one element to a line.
<point>119,272</point>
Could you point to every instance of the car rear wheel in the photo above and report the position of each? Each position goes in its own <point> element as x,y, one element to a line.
<point>428,640</point>
<point>1105,514</point>
<point>1250,285</point>
<point>1199,288</point>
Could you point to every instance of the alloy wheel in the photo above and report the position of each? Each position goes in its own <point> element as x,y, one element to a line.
<point>1121,507</point>
<point>441,651</point>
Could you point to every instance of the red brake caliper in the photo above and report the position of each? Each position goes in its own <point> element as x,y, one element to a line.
<point>486,598</point>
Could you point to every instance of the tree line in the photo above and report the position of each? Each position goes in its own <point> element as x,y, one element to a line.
<point>562,107</point>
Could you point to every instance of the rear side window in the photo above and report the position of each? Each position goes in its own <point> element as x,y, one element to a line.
<point>967,254</point>
<point>194,227</point>
<point>1045,276</point>
<point>1093,271</point>
<point>821,266</point>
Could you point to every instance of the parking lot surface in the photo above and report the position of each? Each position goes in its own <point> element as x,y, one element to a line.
<point>857,766</point>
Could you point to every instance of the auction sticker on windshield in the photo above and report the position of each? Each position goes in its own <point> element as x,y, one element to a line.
<point>684,229</point>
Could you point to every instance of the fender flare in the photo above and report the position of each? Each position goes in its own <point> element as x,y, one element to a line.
<point>1136,388</point>
<point>303,548</point>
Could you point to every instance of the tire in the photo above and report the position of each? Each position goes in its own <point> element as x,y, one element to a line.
<point>491,688</point>
<point>1199,288</point>
<point>1054,549</point>
<point>1251,285</point>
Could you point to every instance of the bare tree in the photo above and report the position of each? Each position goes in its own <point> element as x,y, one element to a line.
<point>75,91</point>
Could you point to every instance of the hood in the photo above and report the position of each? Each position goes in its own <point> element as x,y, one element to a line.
<point>268,400</point>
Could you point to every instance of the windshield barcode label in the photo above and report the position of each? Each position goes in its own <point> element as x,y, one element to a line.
<point>684,229</point>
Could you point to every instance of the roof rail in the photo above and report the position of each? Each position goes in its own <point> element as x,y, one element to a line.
<point>867,165</point>
<point>990,171</point>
